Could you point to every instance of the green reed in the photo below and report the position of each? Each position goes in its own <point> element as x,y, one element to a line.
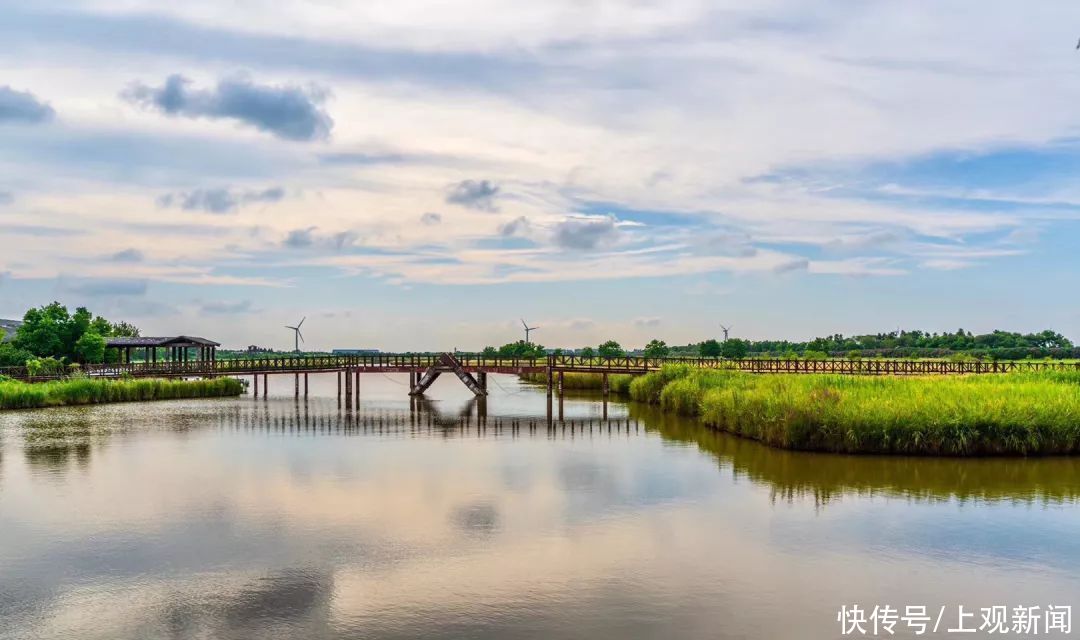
<point>1016,413</point>
<point>74,391</point>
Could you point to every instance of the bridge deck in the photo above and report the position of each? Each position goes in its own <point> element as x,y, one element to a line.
<point>390,363</point>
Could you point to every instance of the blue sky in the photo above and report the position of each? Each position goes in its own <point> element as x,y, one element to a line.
<point>422,174</point>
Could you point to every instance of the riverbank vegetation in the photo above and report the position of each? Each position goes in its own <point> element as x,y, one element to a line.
<point>1031,413</point>
<point>53,334</point>
<point>81,390</point>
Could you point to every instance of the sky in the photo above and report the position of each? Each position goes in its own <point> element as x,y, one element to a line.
<point>421,174</point>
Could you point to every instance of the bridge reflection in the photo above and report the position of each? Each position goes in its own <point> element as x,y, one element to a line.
<point>422,417</point>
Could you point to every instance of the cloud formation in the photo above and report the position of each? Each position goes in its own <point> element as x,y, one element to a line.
<point>518,227</point>
<point>102,286</point>
<point>288,112</point>
<point>23,107</point>
<point>474,194</point>
<point>584,233</point>
<point>430,219</point>
<point>127,256</point>
<point>222,307</point>
<point>219,200</point>
<point>6,198</point>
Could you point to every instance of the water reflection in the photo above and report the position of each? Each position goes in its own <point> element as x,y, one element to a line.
<point>455,518</point>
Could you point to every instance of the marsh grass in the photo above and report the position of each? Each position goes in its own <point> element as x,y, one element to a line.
<point>76,391</point>
<point>617,382</point>
<point>1017,413</point>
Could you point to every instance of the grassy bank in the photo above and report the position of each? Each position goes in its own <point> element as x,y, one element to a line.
<point>21,395</point>
<point>1019,413</point>
<point>617,382</point>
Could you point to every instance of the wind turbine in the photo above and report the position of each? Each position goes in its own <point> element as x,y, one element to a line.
<point>297,337</point>
<point>726,330</point>
<point>527,330</point>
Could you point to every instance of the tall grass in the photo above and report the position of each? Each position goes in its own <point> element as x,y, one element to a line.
<point>1017,413</point>
<point>21,395</point>
<point>617,382</point>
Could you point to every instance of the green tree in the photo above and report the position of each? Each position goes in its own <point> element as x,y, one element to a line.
<point>52,332</point>
<point>489,352</point>
<point>43,330</point>
<point>90,348</point>
<point>735,348</point>
<point>588,352</point>
<point>710,349</point>
<point>610,349</point>
<point>522,349</point>
<point>12,356</point>
<point>656,349</point>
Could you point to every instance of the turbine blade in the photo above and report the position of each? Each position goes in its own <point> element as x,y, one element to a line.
<point>301,322</point>
<point>524,325</point>
<point>301,336</point>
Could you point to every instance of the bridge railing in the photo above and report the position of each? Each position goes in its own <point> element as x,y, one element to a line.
<point>572,363</point>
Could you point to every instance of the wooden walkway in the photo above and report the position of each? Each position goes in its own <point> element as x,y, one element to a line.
<point>390,363</point>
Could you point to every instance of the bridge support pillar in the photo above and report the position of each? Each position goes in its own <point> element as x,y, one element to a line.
<point>339,388</point>
<point>604,384</point>
<point>256,377</point>
<point>356,388</point>
<point>481,379</point>
<point>562,380</point>
<point>305,386</point>
<point>296,386</point>
<point>266,386</point>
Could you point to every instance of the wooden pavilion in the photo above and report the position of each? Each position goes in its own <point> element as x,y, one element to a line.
<point>176,349</point>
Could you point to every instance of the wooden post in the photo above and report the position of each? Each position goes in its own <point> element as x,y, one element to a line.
<point>605,385</point>
<point>256,376</point>
<point>356,388</point>
<point>305,386</point>
<point>339,387</point>
<point>481,378</point>
<point>550,375</point>
<point>266,386</point>
<point>561,381</point>
<point>296,386</point>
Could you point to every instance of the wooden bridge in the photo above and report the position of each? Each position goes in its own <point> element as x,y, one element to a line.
<point>472,370</point>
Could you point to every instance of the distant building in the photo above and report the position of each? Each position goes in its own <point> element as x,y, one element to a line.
<point>355,352</point>
<point>8,329</point>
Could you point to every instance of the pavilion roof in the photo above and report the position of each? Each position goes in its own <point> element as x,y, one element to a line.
<point>163,341</point>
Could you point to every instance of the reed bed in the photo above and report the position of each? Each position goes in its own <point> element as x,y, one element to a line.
<point>617,382</point>
<point>1034,413</point>
<point>77,391</point>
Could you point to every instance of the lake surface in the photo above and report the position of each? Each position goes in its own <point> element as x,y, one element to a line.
<point>245,518</point>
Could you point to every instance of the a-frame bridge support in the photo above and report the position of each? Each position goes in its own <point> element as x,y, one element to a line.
<point>447,363</point>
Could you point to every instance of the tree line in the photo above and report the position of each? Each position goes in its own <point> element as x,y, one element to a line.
<point>998,345</point>
<point>52,333</point>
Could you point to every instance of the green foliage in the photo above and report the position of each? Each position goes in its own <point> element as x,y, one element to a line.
<point>12,356</point>
<point>735,348</point>
<point>36,367</point>
<point>610,349</point>
<point>815,355</point>
<point>90,347</point>
<point>519,349</point>
<point>855,354</point>
<point>710,349</point>
<point>75,391</point>
<point>1018,413</point>
<point>656,349</point>
<point>52,332</point>
<point>588,352</point>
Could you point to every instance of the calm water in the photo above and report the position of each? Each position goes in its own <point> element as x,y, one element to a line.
<point>271,519</point>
